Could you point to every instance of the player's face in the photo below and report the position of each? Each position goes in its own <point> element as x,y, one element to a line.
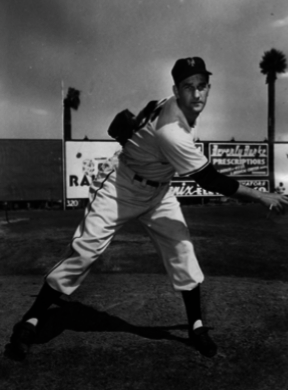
<point>192,94</point>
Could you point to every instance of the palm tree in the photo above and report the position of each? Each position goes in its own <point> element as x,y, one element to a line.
<point>71,101</point>
<point>273,62</point>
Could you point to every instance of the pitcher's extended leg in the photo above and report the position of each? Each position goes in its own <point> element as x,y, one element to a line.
<point>169,232</point>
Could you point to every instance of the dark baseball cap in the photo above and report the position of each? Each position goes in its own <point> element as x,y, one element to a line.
<point>186,67</point>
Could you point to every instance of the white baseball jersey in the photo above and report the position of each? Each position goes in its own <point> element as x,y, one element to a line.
<point>164,147</point>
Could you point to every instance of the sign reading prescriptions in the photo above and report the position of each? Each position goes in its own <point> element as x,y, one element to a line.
<point>281,168</point>
<point>240,159</point>
<point>82,163</point>
<point>187,188</point>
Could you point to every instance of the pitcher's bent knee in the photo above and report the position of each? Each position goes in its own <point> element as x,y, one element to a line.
<point>68,275</point>
<point>185,271</point>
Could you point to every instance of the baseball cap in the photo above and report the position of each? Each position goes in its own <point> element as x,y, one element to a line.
<point>186,67</point>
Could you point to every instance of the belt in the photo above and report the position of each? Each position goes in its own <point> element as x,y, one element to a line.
<point>149,182</point>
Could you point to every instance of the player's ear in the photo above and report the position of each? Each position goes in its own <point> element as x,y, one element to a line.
<point>175,91</point>
<point>208,90</point>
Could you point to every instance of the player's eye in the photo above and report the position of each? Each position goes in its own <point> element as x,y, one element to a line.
<point>189,88</point>
<point>192,88</point>
<point>202,87</point>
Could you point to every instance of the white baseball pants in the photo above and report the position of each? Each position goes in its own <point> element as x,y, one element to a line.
<point>114,199</point>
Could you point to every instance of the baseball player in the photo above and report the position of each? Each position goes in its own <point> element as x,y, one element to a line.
<point>134,183</point>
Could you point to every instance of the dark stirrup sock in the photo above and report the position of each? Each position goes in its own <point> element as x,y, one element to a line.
<point>46,297</point>
<point>192,301</point>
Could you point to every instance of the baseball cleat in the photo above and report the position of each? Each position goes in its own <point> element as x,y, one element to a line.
<point>22,338</point>
<point>203,342</point>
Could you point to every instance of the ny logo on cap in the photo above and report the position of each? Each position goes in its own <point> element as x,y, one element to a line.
<point>191,62</point>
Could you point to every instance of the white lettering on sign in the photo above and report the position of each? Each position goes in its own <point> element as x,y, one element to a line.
<point>238,151</point>
<point>83,161</point>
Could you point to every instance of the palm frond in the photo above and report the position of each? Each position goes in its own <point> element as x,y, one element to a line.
<point>73,98</point>
<point>273,62</point>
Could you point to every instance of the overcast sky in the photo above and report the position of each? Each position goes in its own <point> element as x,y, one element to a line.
<point>119,53</point>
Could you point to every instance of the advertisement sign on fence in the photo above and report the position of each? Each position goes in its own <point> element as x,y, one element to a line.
<point>82,163</point>
<point>240,159</point>
<point>185,188</point>
<point>281,168</point>
<point>248,162</point>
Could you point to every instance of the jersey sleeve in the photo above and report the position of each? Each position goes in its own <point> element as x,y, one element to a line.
<point>177,146</point>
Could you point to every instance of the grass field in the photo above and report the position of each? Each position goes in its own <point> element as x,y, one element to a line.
<point>125,328</point>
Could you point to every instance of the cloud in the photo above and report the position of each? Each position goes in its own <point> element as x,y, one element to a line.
<point>280,22</point>
<point>229,11</point>
<point>22,120</point>
<point>39,111</point>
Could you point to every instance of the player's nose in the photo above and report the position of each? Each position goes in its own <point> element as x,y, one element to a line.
<point>196,93</point>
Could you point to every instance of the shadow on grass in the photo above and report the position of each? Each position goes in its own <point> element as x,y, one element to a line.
<point>83,318</point>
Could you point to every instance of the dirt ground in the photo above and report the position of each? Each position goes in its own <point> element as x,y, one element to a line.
<point>126,328</point>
